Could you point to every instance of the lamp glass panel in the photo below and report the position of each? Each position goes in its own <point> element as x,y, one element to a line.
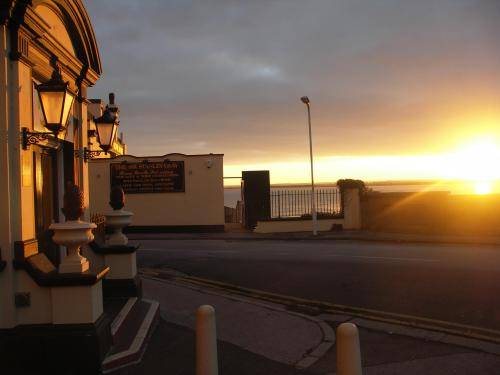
<point>52,103</point>
<point>113,136</point>
<point>106,132</point>
<point>67,108</point>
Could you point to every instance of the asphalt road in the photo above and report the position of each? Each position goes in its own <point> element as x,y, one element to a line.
<point>456,283</point>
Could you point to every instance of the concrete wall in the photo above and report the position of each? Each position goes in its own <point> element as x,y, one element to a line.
<point>202,203</point>
<point>289,226</point>
<point>431,213</point>
<point>350,221</point>
<point>352,209</point>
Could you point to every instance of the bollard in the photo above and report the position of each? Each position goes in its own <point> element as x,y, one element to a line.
<point>206,341</point>
<point>348,353</point>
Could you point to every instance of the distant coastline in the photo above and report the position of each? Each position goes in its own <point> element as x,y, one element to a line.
<point>368,183</point>
<point>232,193</point>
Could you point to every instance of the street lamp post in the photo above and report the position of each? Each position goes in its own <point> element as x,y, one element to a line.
<point>305,100</point>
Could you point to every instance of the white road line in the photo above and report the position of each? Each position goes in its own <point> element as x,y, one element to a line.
<point>382,258</point>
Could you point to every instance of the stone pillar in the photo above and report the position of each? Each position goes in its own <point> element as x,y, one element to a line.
<point>119,255</point>
<point>352,209</point>
<point>7,311</point>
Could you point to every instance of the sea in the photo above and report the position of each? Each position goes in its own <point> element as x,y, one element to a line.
<point>233,194</point>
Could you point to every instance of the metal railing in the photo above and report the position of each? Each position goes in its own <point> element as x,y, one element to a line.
<point>287,203</point>
<point>99,232</point>
<point>234,214</point>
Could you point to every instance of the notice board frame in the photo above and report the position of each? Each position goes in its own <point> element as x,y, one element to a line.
<point>178,181</point>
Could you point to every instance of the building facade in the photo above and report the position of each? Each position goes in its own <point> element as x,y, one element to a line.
<point>169,193</point>
<point>43,313</point>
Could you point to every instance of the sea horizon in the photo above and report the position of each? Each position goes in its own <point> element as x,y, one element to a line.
<point>455,187</point>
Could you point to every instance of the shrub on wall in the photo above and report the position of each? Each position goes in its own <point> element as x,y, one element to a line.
<point>348,183</point>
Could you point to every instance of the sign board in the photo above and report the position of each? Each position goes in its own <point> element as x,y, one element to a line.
<point>148,177</point>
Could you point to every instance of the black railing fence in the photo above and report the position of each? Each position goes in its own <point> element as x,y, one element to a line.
<point>100,231</point>
<point>298,203</point>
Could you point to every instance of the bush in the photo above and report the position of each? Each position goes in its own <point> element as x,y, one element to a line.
<point>351,184</point>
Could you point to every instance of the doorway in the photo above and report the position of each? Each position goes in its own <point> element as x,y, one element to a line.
<point>46,200</point>
<point>48,191</point>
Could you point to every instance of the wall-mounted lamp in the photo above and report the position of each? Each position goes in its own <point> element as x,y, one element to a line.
<point>56,101</point>
<point>106,128</point>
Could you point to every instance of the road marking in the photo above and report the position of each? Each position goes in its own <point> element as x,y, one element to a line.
<point>383,258</point>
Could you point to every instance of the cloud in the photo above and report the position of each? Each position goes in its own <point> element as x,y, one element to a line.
<point>226,76</point>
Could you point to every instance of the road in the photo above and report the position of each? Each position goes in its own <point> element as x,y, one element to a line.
<point>456,283</point>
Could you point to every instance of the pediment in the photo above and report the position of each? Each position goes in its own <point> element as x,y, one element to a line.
<point>56,26</point>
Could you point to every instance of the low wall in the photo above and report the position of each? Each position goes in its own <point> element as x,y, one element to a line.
<point>351,219</point>
<point>431,213</point>
<point>200,207</point>
<point>288,226</point>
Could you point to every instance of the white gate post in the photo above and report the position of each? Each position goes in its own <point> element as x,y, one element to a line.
<point>348,352</point>
<point>352,208</point>
<point>206,341</point>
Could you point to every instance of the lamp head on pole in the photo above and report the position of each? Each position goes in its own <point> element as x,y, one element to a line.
<point>304,100</point>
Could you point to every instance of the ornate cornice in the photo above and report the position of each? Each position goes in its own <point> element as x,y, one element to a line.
<point>14,21</point>
<point>15,11</point>
<point>82,94</point>
<point>6,8</point>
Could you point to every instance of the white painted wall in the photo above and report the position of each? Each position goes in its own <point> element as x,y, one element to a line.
<point>202,203</point>
<point>290,226</point>
<point>350,221</point>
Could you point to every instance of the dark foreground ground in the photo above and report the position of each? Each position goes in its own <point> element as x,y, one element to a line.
<point>172,351</point>
<point>257,339</point>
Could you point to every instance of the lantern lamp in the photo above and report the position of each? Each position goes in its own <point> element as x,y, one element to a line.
<point>56,101</point>
<point>106,127</point>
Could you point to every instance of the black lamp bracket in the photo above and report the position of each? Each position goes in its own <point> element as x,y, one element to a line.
<point>32,138</point>
<point>87,154</point>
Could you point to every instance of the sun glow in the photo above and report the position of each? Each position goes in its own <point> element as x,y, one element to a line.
<point>475,162</point>
<point>472,166</point>
<point>483,187</point>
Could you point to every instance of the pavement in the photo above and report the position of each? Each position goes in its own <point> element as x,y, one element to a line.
<point>259,337</point>
<point>339,236</point>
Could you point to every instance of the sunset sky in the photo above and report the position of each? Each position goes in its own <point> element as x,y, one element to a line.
<point>399,89</point>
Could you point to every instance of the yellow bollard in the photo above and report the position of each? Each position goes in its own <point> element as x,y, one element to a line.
<point>348,353</point>
<point>206,341</point>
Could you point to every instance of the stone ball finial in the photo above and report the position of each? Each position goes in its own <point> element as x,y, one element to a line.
<point>73,202</point>
<point>117,197</point>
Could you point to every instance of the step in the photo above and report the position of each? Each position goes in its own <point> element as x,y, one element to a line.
<point>133,323</point>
